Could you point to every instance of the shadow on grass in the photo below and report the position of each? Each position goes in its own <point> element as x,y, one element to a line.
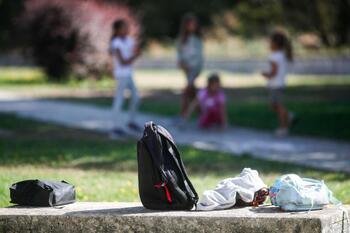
<point>98,153</point>
<point>244,95</point>
<point>323,111</point>
<point>49,145</point>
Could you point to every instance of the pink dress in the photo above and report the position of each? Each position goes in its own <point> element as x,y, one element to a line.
<point>210,105</point>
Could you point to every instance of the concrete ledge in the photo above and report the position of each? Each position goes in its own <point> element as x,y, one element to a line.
<point>132,217</point>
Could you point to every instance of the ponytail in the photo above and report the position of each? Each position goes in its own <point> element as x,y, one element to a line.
<point>283,42</point>
<point>288,49</point>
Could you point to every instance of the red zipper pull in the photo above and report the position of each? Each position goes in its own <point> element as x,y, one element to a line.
<point>167,193</point>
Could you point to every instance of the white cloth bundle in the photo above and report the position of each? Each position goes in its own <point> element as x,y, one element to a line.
<point>225,193</point>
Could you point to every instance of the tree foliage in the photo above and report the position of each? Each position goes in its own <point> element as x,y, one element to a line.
<point>329,18</point>
<point>161,19</point>
<point>66,35</point>
<point>9,10</point>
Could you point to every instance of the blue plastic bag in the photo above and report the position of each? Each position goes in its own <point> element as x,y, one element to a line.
<point>293,193</point>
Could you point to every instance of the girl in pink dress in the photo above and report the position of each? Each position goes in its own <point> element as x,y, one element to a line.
<point>212,104</point>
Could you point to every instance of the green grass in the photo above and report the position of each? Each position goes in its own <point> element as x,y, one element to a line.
<point>30,78</point>
<point>92,162</point>
<point>23,78</point>
<point>15,76</point>
<point>105,170</point>
<point>323,111</point>
<point>321,102</point>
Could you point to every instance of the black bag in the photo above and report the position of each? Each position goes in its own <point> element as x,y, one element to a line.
<point>163,181</point>
<point>42,193</point>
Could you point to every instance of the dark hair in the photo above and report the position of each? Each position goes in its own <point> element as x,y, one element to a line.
<point>281,40</point>
<point>183,31</point>
<point>116,26</point>
<point>213,78</point>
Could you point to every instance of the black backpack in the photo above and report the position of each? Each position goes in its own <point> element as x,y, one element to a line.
<point>163,181</point>
<point>42,193</point>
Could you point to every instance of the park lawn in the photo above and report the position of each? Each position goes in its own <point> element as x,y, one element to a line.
<point>106,170</point>
<point>321,102</point>
<point>29,78</point>
<point>323,111</point>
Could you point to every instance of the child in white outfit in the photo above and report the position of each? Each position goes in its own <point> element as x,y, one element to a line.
<point>189,57</point>
<point>276,79</point>
<point>124,53</point>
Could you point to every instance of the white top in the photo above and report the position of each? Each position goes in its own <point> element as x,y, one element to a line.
<point>126,47</point>
<point>279,80</point>
<point>191,52</point>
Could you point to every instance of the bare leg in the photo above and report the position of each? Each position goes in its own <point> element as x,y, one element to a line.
<point>189,93</point>
<point>134,101</point>
<point>282,114</point>
<point>184,102</point>
<point>188,96</point>
<point>118,102</point>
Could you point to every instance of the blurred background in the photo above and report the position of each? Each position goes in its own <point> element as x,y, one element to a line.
<point>58,50</point>
<point>71,37</point>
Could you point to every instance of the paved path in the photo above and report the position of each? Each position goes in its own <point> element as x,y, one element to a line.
<point>318,153</point>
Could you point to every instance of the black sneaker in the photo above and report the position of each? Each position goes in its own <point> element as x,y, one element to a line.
<point>117,134</point>
<point>135,127</point>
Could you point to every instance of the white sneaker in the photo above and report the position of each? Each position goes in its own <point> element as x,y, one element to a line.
<point>281,132</point>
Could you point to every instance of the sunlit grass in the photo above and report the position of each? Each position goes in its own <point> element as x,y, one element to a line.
<point>321,101</point>
<point>323,111</point>
<point>19,77</point>
<point>91,185</point>
<point>105,170</point>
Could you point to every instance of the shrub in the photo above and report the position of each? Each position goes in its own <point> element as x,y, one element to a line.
<point>72,36</point>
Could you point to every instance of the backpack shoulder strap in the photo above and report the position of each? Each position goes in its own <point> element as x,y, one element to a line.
<point>179,162</point>
<point>149,138</point>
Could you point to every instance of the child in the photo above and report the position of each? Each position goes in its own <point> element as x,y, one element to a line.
<point>189,56</point>
<point>276,79</point>
<point>124,53</point>
<point>211,101</point>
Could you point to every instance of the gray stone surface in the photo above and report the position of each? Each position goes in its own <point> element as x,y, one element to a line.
<point>132,217</point>
<point>318,153</point>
